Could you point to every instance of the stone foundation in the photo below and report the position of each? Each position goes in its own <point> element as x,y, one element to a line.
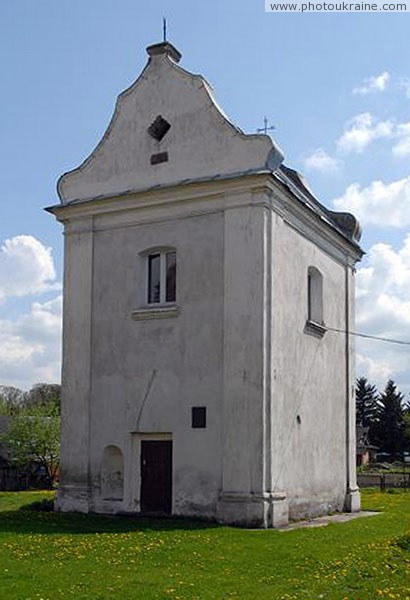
<point>71,498</point>
<point>264,510</point>
<point>352,500</point>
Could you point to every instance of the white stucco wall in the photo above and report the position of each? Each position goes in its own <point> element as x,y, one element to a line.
<point>309,378</point>
<point>173,363</point>
<point>237,346</point>
<point>279,431</point>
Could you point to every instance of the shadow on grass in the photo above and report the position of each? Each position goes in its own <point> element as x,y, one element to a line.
<point>26,520</point>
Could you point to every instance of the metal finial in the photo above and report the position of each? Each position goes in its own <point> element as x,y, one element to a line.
<point>265,127</point>
<point>165,28</point>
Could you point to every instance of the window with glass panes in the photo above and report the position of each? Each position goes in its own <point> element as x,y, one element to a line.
<point>162,277</point>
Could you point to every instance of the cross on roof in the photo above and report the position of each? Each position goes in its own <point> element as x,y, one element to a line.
<point>265,127</point>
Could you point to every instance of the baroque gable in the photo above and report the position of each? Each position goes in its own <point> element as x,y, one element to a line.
<point>166,129</point>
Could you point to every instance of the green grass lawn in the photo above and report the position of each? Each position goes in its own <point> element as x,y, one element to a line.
<point>57,556</point>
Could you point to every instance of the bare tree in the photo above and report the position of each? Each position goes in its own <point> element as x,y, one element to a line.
<point>12,400</point>
<point>44,394</point>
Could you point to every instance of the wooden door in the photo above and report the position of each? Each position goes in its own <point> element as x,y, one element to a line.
<point>156,476</point>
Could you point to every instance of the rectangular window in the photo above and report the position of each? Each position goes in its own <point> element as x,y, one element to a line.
<point>315,295</point>
<point>309,292</point>
<point>199,417</point>
<point>171,267</point>
<point>154,281</point>
<point>162,277</point>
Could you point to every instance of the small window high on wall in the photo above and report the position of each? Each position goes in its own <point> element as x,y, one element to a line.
<point>315,296</point>
<point>162,276</point>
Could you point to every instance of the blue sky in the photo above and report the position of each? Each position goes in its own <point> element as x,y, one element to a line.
<point>335,86</point>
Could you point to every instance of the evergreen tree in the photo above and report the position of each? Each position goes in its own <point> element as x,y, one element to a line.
<point>407,427</point>
<point>390,426</point>
<point>366,403</point>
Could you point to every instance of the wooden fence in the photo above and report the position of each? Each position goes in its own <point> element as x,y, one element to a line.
<point>11,480</point>
<point>385,480</point>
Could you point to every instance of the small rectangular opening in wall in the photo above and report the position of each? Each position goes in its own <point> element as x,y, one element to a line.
<point>161,157</point>
<point>199,417</point>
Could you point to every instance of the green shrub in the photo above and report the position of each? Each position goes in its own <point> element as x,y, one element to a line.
<point>45,505</point>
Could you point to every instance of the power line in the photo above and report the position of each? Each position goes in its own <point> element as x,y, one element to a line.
<point>369,337</point>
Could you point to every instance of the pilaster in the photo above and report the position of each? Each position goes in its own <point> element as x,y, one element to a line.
<point>246,498</point>
<point>74,493</point>
<point>352,498</point>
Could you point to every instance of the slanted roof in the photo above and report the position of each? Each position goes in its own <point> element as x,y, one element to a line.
<point>168,130</point>
<point>344,222</point>
<point>362,440</point>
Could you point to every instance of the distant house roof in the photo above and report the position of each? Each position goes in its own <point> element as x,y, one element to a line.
<point>362,440</point>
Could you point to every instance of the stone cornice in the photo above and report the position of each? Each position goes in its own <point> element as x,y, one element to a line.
<point>312,225</point>
<point>188,190</point>
<point>196,198</point>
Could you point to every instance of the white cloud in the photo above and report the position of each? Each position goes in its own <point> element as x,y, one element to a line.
<point>373,84</point>
<point>319,160</point>
<point>376,371</point>
<point>361,131</point>
<point>383,204</point>
<point>30,346</point>
<point>26,267</point>
<point>404,84</point>
<point>383,309</point>
<point>402,147</point>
